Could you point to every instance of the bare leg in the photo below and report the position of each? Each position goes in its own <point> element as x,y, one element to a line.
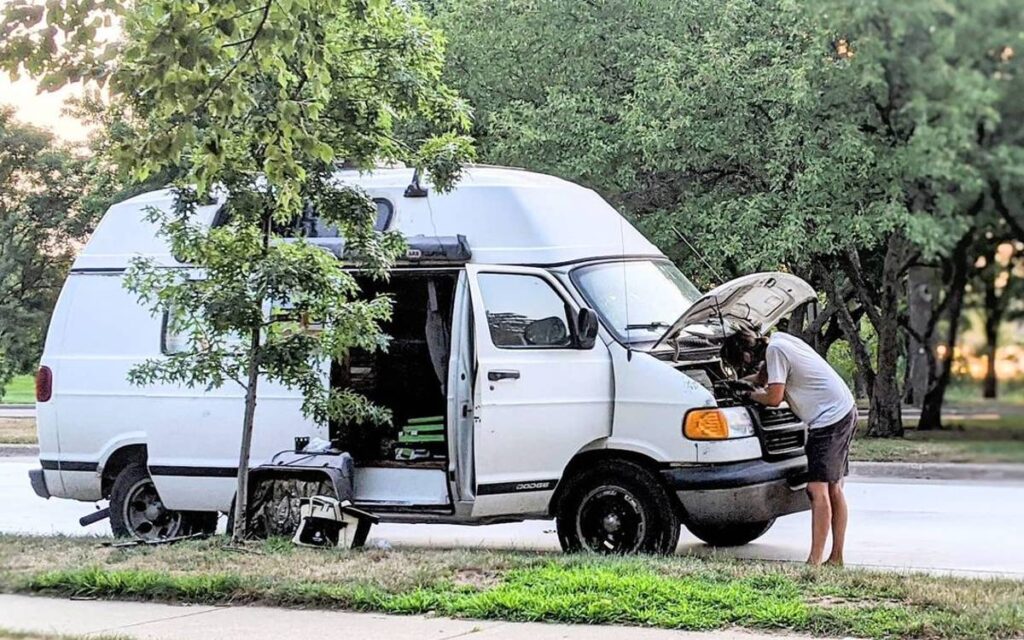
<point>839,518</point>
<point>821,519</point>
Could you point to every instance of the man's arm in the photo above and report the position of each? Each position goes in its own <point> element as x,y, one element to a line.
<point>775,372</point>
<point>771,396</point>
<point>758,379</point>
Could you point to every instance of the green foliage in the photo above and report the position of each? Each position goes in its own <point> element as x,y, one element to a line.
<point>45,210</point>
<point>769,132</point>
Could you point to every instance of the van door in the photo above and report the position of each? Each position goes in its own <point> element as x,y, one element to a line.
<point>538,397</point>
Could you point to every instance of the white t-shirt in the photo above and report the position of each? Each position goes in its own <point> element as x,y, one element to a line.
<point>814,391</point>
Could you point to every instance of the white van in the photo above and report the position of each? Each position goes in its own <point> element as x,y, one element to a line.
<point>547,361</point>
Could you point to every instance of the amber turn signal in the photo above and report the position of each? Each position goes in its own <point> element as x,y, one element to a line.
<point>706,424</point>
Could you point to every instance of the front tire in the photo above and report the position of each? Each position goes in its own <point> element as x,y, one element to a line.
<point>136,510</point>
<point>617,507</point>
<point>734,534</point>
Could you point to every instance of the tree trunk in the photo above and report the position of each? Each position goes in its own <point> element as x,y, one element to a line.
<point>860,386</point>
<point>252,380</point>
<point>242,487</point>
<point>993,317</point>
<point>885,419</point>
<point>921,281</point>
<point>960,265</point>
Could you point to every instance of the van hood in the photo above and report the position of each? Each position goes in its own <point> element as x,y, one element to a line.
<point>762,299</point>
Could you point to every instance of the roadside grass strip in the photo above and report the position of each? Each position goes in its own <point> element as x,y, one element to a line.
<point>20,390</point>
<point>677,593</point>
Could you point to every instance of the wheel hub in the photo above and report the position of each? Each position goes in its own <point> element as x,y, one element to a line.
<point>612,523</point>
<point>146,516</point>
<point>611,520</point>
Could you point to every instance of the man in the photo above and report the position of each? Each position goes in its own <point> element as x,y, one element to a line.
<point>788,368</point>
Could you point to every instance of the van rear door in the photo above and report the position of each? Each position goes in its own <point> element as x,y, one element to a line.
<point>538,397</point>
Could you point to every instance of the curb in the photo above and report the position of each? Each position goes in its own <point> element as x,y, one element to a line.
<point>938,471</point>
<point>19,451</point>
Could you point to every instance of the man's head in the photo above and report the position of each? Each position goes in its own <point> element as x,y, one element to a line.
<point>744,349</point>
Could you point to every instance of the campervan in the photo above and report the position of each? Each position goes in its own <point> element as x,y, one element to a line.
<point>546,361</point>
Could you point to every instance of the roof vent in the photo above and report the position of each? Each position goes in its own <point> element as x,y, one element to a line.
<point>415,190</point>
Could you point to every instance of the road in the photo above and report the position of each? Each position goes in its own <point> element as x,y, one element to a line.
<point>963,527</point>
<point>17,411</point>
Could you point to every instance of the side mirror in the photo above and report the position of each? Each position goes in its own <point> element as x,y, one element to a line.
<point>586,328</point>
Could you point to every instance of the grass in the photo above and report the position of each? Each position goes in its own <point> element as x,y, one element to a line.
<point>20,390</point>
<point>969,392</point>
<point>962,440</point>
<point>18,431</point>
<point>678,592</point>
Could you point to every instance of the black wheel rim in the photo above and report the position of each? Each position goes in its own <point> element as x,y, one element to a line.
<point>145,515</point>
<point>610,520</point>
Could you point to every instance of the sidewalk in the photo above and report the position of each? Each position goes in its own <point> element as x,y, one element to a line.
<point>169,622</point>
<point>988,472</point>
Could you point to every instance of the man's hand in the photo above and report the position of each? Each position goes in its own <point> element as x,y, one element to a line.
<point>770,397</point>
<point>740,386</point>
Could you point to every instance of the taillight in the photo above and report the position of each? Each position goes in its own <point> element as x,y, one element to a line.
<point>44,384</point>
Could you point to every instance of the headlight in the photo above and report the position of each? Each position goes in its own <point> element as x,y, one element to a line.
<point>741,425</point>
<point>718,424</point>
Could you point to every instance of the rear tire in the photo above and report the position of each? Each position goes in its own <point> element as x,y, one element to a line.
<point>136,510</point>
<point>617,507</point>
<point>734,534</point>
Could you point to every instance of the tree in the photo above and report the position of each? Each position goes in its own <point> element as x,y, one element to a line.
<point>836,140</point>
<point>997,285</point>
<point>44,212</point>
<point>254,105</point>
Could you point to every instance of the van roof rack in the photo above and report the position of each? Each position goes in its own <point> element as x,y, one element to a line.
<point>415,189</point>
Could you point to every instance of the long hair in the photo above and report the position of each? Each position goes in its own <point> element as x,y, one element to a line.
<point>745,339</point>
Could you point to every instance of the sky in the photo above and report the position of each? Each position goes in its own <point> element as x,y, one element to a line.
<point>42,110</point>
<point>45,109</point>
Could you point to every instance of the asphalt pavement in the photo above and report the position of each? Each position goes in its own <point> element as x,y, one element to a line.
<point>960,527</point>
<point>17,411</point>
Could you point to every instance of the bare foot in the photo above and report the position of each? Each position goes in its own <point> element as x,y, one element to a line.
<point>834,562</point>
<point>814,562</point>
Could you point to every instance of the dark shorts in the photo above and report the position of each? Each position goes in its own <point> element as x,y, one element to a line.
<point>828,449</point>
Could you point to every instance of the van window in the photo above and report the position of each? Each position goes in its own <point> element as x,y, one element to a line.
<point>523,311</point>
<point>638,300</point>
<point>171,342</point>
<point>309,225</point>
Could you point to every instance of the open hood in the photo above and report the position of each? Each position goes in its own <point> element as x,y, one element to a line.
<point>761,299</point>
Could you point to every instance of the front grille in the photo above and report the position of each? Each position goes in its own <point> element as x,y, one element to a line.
<point>781,431</point>
<point>776,443</point>
<point>773,416</point>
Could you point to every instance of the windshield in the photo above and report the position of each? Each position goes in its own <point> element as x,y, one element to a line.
<point>638,300</point>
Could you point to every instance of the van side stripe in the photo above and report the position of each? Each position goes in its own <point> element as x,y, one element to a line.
<point>194,472</point>
<point>68,465</point>
<point>515,487</point>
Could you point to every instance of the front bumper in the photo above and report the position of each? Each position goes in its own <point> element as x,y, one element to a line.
<point>38,480</point>
<point>752,491</point>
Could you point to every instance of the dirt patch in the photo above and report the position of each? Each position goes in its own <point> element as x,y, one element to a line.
<point>477,578</point>
<point>831,602</point>
<point>18,431</point>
